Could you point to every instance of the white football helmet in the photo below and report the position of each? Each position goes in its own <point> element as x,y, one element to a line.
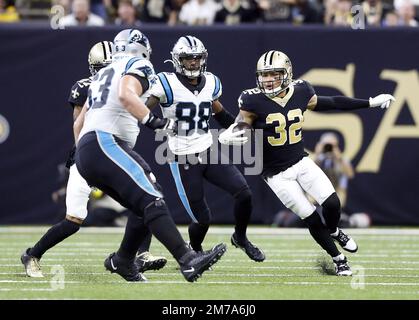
<point>274,62</point>
<point>100,55</point>
<point>131,42</point>
<point>189,47</point>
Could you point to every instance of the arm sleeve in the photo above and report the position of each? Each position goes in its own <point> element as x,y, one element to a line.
<point>340,103</point>
<point>224,118</point>
<point>244,104</point>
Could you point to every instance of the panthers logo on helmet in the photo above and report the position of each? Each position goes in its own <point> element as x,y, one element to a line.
<point>4,129</point>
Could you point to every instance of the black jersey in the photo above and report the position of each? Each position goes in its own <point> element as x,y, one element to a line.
<point>79,91</point>
<point>281,120</point>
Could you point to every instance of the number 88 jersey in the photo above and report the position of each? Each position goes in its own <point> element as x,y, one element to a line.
<point>190,107</point>
<point>281,120</point>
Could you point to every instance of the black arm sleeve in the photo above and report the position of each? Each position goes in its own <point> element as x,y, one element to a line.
<point>224,118</point>
<point>142,80</point>
<point>340,103</point>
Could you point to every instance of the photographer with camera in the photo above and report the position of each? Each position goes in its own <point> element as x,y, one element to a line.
<point>338,169</point>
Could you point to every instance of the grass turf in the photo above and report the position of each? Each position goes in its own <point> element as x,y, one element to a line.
<point>385,267</point>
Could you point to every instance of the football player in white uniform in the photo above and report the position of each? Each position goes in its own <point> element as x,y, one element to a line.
<point>189,96</point>
<point>276,106</point>
<point>105,158</point>
<point>78,191</point>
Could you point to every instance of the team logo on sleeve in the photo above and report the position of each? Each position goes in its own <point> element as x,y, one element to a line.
<point>4,129</point>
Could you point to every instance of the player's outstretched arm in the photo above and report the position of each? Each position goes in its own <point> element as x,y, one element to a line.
<point>323,103</point>
<point>221,115</point>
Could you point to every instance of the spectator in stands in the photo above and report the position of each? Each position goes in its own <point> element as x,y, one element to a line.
<point>81,15</point>
<point>8,12</point>
<point>276,10</point>
<point>66,4</point>
<point>198,12</point>
<point>406,12</point>
<point>126,14</point>
<point>391,19</point>
<point>374,11</point>
<point>156,11</point>
<point>98,8</point>
<point>341,13</point>
<point>233,12</point>
<point>305,11</point>
<point>174,13</point>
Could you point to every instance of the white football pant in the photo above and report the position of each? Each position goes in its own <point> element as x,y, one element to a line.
<point>78,192</point>
<point>305,175</point>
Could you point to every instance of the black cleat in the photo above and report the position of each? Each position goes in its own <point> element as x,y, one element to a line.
<point>127,270</point>
<point>251,250</point>
<point>346,242</point>
<point>146,261</point>
<point>342,268</point>
<point>31,264</point>
<point>194,264</point>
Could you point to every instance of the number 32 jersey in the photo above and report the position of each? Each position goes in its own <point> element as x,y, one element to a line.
<point>105,110</point>
<point>281,121</point>
<point>190,108</point>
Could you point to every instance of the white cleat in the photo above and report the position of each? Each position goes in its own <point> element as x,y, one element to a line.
<point>346,242</point>
<point>342,268</point>
<point>32,266</point>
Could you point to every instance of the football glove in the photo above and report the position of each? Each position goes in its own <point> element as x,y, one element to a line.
<point>231,137</point>
<point>157,124</point>
<point>382,100</point>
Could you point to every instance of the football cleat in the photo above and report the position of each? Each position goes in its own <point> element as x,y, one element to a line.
<point>194,264</point>
<point>146,261</point>
<point>345,241</point>
<point>127,270</point>
<point>251,250</point>
<point>342,268</point>
<point>32,266</point>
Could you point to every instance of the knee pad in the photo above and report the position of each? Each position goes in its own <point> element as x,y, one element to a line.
<point>155,209</point>
<point>332,203</point>
<point>244,195</point>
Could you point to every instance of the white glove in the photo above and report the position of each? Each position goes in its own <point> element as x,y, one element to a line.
<point>232,138</point>
<point>382,100</point>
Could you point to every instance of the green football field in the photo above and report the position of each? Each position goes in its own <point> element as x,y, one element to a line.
<point>385,267</point>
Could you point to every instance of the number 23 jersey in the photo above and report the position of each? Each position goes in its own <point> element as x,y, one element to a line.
<point>281,121</point>
<point>191,108</point>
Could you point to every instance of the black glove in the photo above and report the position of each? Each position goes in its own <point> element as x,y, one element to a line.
<point>155,123</point>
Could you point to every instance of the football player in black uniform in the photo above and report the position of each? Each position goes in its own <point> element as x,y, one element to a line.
<point>78,191</point>
<point>276,106</point>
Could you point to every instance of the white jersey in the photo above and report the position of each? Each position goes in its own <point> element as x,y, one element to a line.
<point>191,110</point>
<point>105,110</point>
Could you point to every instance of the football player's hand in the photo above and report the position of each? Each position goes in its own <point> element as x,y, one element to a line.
<point>169,126</point>
<point>231,137</point>
<point>382,100</point>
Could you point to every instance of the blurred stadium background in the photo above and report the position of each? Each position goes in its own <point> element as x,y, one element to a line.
<point>41,58</point>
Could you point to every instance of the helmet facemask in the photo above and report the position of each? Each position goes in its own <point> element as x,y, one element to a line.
<point>272,81</point>
<point>189,57</point>
<point>273,73</point>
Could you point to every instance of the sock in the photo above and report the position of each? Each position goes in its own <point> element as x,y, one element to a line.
<point>320,233</point>
<point>339,257</point>
<point>162,226</point>
<point>54,235</point>
<point>145,245</point>
<point>135,233</point>
<point>197,234</point>
<point>331,212</point>
<point>242,212</point>
<point>334,234</point>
